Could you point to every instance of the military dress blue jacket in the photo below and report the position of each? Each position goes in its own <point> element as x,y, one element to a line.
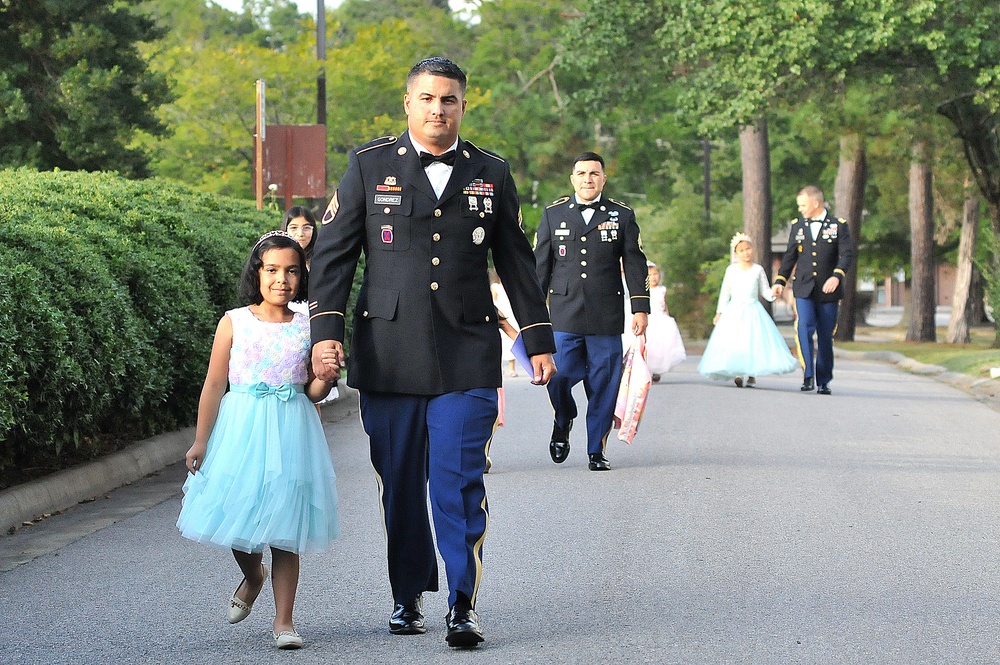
<point>425,323</point>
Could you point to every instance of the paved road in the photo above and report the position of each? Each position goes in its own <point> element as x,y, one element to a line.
<point>723,535</point>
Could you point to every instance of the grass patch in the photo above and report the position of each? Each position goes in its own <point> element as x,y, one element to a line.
<point>974,359</point>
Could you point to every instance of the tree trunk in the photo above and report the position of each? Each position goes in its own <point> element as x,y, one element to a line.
<point>961,303</point>
<point>921,247</point>
<point>994,210</point>
<point>755,157</point>
<point>849,200</point>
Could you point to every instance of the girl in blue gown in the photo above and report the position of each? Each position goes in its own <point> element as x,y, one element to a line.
<point>260,467</point>
<point>745,341</point>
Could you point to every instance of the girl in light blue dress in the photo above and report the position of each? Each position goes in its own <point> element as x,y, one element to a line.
<point>260,468</point>
<point>745,341</point>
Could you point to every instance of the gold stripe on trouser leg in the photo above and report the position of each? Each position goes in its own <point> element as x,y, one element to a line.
<point>478,547</point>
<point>798,346</point>
<point>381,490</point>
<point>381,504</point>
<point>604,439</point>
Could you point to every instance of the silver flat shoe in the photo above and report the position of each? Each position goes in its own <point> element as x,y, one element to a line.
<point>238,609</point>
<point>287,639</point>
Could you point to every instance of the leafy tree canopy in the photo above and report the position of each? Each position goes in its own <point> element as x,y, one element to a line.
<point>74,89</point>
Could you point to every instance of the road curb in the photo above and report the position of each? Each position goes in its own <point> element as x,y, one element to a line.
<point>983,390</point>
<point>64,489</point>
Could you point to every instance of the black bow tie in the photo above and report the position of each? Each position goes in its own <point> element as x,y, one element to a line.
<point>588,206</point>
<point>426,158</point>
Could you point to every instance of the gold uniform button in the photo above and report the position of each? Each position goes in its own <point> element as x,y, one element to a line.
<point>387,210</point>
<point>365,313</point>
<point>436,237</point>
<point>434,286</point>
<point>482,214</point>
<point>487,319</point>
<point>583,275</point>
<point>437,212</point>
<point>583,263</point>
<point>583,239</point>
<point>583,251</point>
<point>814,253</point>
<point>435,261</point>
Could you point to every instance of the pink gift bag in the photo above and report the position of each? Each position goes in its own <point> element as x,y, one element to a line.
<point>636,380</point>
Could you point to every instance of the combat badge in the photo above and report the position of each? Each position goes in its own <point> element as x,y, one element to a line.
<point>331,210</point>
<point>478,235</point>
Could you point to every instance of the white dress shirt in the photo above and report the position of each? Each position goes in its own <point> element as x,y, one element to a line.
<point>588,213</point>
<point>816,224</point>
<point>438,173</point>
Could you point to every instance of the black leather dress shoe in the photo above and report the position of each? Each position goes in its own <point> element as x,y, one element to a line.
<point>598,462</point>
<point>559,444</point>
<point>408,619</point>
<point>824,389</point>
<point>463,628</point>
<point>807,384</point>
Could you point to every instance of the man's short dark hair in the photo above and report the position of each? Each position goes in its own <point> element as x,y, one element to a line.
<point>438,66</point>
<point>589,157</point>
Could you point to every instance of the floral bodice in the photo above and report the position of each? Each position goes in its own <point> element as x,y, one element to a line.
<point>742,286</point>
<point>274,353</point>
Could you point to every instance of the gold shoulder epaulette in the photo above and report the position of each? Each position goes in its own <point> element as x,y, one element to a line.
<point>619,203</point>
<point>485,152</point>
<point>558,202</point>
<point>377,143</point>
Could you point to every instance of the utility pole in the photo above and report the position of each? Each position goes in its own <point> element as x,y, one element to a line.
<point>706,172</point>
<point>321,56</point>
<point>321,84</point>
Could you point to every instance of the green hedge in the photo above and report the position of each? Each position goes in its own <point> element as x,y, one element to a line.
<point>111,293</point>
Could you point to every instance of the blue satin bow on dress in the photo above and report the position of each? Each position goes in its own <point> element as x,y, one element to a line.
<point>284,392</point>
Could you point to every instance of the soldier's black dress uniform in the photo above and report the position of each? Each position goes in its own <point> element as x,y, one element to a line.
<point>816,259</point>
<point>425,353</point>
<point>580,269</point>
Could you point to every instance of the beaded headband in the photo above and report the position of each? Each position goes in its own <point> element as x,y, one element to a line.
<point>737,239</point>
<point>273,234</point>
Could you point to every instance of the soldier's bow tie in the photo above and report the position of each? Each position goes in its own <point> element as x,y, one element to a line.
<point>426,158</point>
<point>589,206</point>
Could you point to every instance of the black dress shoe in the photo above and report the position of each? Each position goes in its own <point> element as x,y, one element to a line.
<point>598,462</point>
<point>807,384</point>
<point>463,628</point>
<point>408,619</point>
<point>824,389</point>
<point>559,444</point>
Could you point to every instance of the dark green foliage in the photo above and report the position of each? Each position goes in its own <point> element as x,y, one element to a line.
<point>114,289</point>
<point>74,89</point>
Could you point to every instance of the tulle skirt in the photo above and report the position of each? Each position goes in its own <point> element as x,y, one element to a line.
<point>267,479</point>
<point>664,346</point>
<point>745,342</point>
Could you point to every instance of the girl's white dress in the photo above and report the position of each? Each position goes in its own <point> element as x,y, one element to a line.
<point>745,341</point>
<point>267,477</point>
<point>664,346</point>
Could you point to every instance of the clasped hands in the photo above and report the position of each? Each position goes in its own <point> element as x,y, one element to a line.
<point>829,286</point>
<point>328,358</point>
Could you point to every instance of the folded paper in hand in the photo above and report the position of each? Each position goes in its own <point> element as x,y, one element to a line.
<point>522,356</point>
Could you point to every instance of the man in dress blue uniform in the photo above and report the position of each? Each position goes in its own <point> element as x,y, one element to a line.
<point>427,208</point>
<point>820,250</point>
<point>584,242</point>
